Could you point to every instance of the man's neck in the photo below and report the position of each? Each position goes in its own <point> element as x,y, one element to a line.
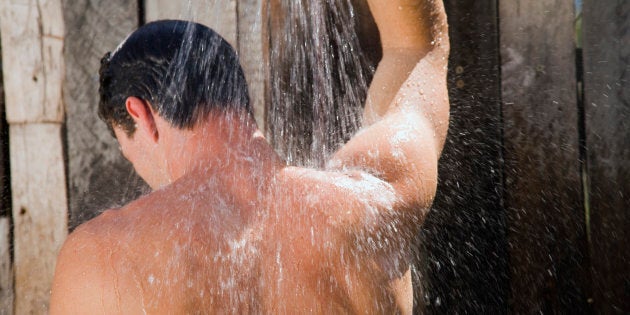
<point>223,143</point>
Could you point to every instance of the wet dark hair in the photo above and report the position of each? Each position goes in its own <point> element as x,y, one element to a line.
<point>183,69</point>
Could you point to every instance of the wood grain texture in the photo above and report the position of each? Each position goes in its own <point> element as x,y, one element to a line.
<point>32,34</point>
<point>543,190</point>
<point>606,28</point>
<point>34,31</point>
<point>6,270</point>
<point>219,15</point>
<point>99,176</point>
<point>39,211</point>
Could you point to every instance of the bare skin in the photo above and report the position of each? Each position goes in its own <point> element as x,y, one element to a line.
<point>229,228</point>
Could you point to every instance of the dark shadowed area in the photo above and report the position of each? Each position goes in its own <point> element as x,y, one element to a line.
<point>98,176</point>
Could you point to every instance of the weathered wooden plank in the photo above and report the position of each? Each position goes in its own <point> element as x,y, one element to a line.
<point>606,40</point>
<point>250,48</point>
<point>543,194</point>
<point>99,176</point>
<point>6,274</point>
<point>39,211</point>
<point>464,248</point>
<point>34,32</point>
<point>220,15</point>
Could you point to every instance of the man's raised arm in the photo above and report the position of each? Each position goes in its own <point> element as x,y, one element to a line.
<point>406,114</point>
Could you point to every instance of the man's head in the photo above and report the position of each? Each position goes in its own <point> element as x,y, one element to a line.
<point>183,70</point>
<point>164,80</point>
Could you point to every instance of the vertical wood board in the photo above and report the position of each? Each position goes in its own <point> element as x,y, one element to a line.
<point>543,196</point>
<point>606,29</point>
<point>39,211</point>
<point>6,274</point>
<point>99,176</point>
<point>32,34</point>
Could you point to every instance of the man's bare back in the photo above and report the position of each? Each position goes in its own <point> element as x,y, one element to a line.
<point>289,253</point>
<point>231,229</point>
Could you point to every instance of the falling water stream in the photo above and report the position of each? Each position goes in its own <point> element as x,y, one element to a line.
<point>320,72</point>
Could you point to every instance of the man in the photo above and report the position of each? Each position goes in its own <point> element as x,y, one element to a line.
<point>229,228</point>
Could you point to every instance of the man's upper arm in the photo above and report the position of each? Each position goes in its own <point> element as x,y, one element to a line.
<point>399,149</point>
<point>403,145</point>
<point>79,282</point>
<point>406,114</point>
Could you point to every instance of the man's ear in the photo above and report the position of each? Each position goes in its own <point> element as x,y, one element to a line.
<point>143,116</point>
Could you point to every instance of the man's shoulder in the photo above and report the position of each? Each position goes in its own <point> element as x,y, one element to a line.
<point>89,239</point>
<point>112,221</point>
<point>95,228</point>
<point>336,200</point>
<point>86,271</point>
<point>79,270</point>
<point>353,184</point>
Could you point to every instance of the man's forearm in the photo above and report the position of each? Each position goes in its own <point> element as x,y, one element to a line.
<point>409,30</point>
<point>409,24</point>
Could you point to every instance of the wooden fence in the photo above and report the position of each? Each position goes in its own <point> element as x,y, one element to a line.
<point>532,207</point>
